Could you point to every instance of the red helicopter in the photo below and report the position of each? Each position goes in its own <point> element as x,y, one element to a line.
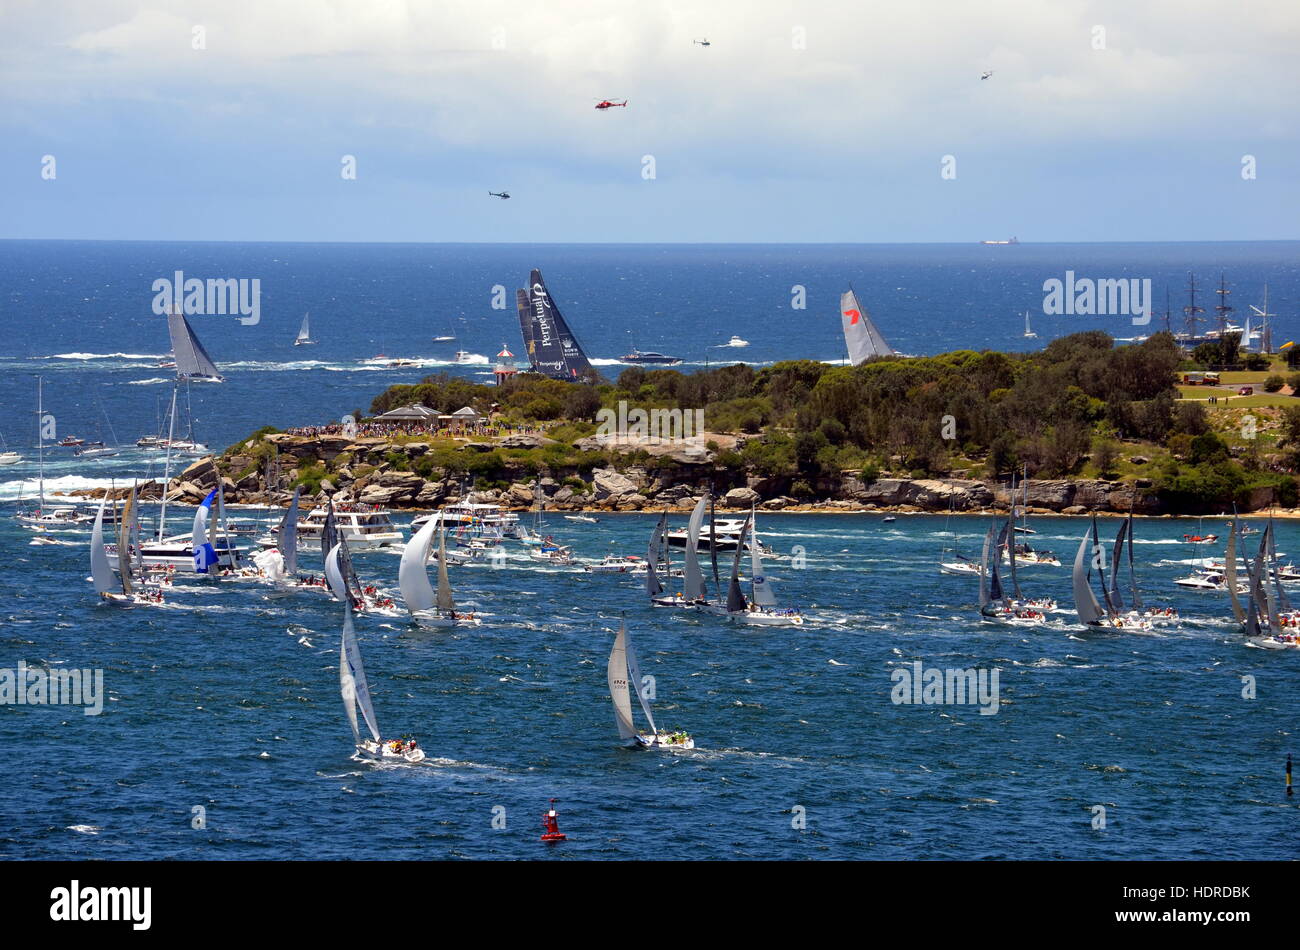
<point>607,104</point>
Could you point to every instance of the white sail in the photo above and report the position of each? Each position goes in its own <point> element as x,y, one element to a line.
<point>637,683</point>
<point>445,603</point>
<point>286,537</point>
<point>352,679</point>
<point>412,577</point>
<point>334,575</point>
<point>124,542</point>
<point>616,675</point>
<point>304,332</point>
<point>270,563</point>
<point>764,596</point>
<point>1085,602</point>
<point>100,572</point>
<point>694,584</point>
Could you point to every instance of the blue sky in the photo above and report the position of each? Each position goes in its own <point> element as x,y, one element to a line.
<point>800,122</point>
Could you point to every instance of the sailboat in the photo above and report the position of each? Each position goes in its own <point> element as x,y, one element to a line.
<point>860,334</point>
<point>994,600</point>
<point>1270,621</point>
<point>1123,539</point>
<point>192,360</point>
<point>1029,334</point>
<point>655,589</point>
<point>279,564</point>
<point>426,607</point>
<point>41,517</point>
<point>1024,551</point>
<point>1090,611</point>
<point>622,673</point>
<point>762,608</point>
<point>551,346</point>
<point>356,695</point>
<point>304,331</point>
<point>959,564</point>
<point>346,586</point>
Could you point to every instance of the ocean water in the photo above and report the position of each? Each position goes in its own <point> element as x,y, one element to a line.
<point>229,700</point>
<point>79,313</point>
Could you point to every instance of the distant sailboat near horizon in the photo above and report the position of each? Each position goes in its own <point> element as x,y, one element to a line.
<point>304,332</point>
<point>1029,333</point>
<point>623,675</point>
<point>861,336</point>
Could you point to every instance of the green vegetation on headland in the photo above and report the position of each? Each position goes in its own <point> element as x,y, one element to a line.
<point>1081,410</point>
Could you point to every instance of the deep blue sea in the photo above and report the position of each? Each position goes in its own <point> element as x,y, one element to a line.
<point>229,700</point>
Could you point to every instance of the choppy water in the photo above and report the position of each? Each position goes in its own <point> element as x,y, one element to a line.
<point>230,700</point>
<point>79,313</point>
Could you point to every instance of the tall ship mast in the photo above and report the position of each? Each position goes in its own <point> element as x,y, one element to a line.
<point>1222,308</point>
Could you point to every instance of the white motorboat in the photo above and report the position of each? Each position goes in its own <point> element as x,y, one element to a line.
<point>482,517</point>
<point>585,519</point>
<point>10,458</point>
<point>727,531</point>
<point>624,677</point>
<point>617,564</point>
<point>553,554</point>
<point>364,526</point>
<point>736,341</point>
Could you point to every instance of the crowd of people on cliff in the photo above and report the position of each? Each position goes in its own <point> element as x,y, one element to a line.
<point>388,430</point>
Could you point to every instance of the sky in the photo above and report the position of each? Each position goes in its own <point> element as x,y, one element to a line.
<point>230,120</point>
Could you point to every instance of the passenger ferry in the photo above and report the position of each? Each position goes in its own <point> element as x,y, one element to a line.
<point>365,527</point>
<point>177,552</point>
<point>486,518</point>
<point>728,536</point>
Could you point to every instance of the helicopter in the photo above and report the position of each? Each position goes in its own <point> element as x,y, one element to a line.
<point>703,42</point>
<point>499,194</point>
<point>987,73</point>
<point>607,104</point>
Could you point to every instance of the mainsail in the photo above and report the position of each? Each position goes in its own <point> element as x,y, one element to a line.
<point>735,596</point>
<point>100,572</point>
<point>652,585</point>
<point>124,542</point>
<point>524,306</point>
<point>286,537</point>
<point>635,681</point>
<point>445,603</point>
<point>1085,601</point>
<point>304,331</point>
<point>758,580</point>
<point>552,348</point>
<point>694,579</point>
<point>1230,571</point>
<point>616,676</point>
<point>329,535</point>
<point>1116,559</point>
<point>352,679</point>
<point>192,360</point>
<point>860,334</point>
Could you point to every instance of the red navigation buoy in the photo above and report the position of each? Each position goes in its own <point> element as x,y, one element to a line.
<point>551,822</point>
